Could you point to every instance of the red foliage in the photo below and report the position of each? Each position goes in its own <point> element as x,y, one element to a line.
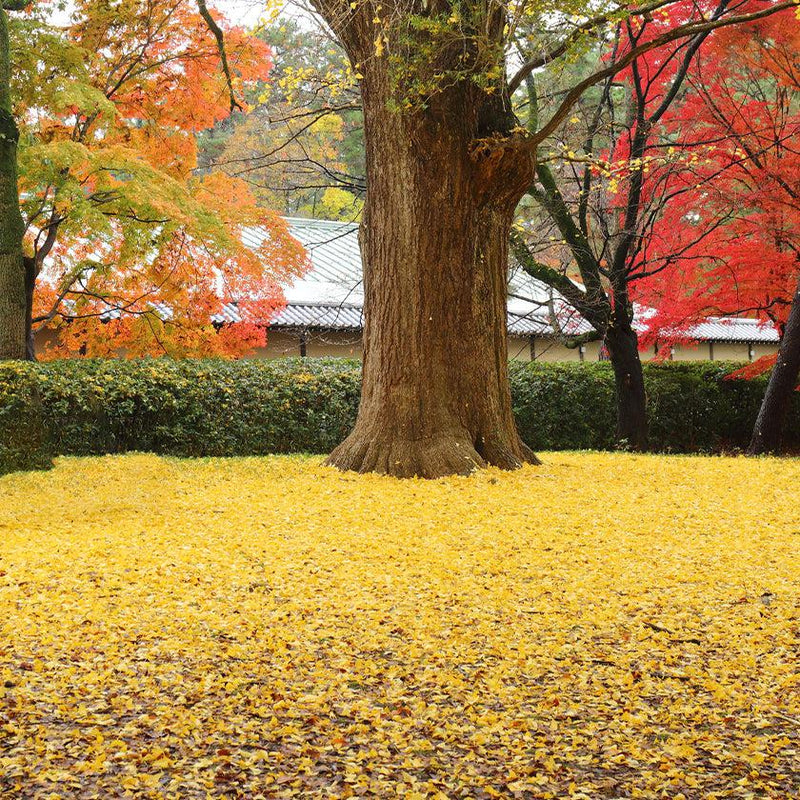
<point>733,224</point>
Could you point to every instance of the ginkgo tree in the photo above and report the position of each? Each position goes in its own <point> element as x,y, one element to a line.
<point>447,161</point>
<point>126,249</point>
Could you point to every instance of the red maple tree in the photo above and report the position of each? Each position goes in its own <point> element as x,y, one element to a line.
<point>738,223</point>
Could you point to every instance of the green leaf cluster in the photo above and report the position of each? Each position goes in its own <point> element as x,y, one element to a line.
<point>24,431</point>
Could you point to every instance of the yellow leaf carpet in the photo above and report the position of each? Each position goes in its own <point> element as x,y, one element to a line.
<point>602,626</point>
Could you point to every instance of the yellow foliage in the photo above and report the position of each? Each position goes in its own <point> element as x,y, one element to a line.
<point>600,626</point>
<point>340,204</point>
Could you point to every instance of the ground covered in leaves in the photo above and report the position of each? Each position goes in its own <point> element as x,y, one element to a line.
<point>602,626</point>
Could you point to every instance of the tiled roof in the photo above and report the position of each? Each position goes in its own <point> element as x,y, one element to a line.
<point>331,296</point>
<point>335,276</point>
<point>351,318</point>
<point>729,329</point>
<point>336,317</point>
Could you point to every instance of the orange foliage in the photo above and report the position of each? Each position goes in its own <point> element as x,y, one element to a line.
<point>147,252</point>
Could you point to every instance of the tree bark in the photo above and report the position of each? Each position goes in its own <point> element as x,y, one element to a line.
<point>31,274</point>
<point>12,273</point>
<point>782,383</point>
<point>435,396</point>
<point>622,344</point>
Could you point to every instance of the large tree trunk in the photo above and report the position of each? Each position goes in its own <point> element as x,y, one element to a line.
<point>622,344</point>
<point>435,397</point>
<point>12,274</point>
<point>782,383</point>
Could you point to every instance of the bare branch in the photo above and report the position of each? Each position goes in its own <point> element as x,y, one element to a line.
<point>573,38</point>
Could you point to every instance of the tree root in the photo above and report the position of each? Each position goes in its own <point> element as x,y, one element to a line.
<point>429,457</point>
<point>506,455</point>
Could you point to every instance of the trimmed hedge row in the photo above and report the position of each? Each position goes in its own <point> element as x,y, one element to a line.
<point>691,406</point>
<point>24,434</point>
<point>199,408</point>
<point>220,408</point>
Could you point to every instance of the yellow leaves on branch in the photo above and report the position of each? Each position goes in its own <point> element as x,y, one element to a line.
<point>600,626</point>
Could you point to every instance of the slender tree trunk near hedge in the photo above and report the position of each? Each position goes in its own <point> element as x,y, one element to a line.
<point>435,391</point>
<point>622,343</point>
<point>782,383</point>
<point>31,274</point>
<point>12,273</point>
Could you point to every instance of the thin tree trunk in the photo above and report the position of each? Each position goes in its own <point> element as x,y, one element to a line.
<point>12,274</point>
<point>435,396</point>
<point>30,288</point>
<point>768,429</point>
<point>623,350</point>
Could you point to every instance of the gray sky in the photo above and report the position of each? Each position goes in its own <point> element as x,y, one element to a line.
<point>246,13</point>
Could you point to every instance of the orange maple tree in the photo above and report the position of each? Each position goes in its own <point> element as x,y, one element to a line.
<point>131,250</point>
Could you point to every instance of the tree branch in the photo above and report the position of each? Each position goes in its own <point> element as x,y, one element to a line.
<point>219,36</point>
<point>560,49</point>
<point>688,30</point>
<point>575,296</point>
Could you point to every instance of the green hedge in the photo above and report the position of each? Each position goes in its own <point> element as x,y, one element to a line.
<point>199,408</point>
<point>213,408</point>
<point>24,432</point>
<point>691,406</point>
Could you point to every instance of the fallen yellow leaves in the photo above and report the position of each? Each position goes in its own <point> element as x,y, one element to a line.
<point>601,626</point>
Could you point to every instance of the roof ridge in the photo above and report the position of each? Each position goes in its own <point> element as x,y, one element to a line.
<point>322,304</point>
<point>332,223</point>
<point>734,320</point>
